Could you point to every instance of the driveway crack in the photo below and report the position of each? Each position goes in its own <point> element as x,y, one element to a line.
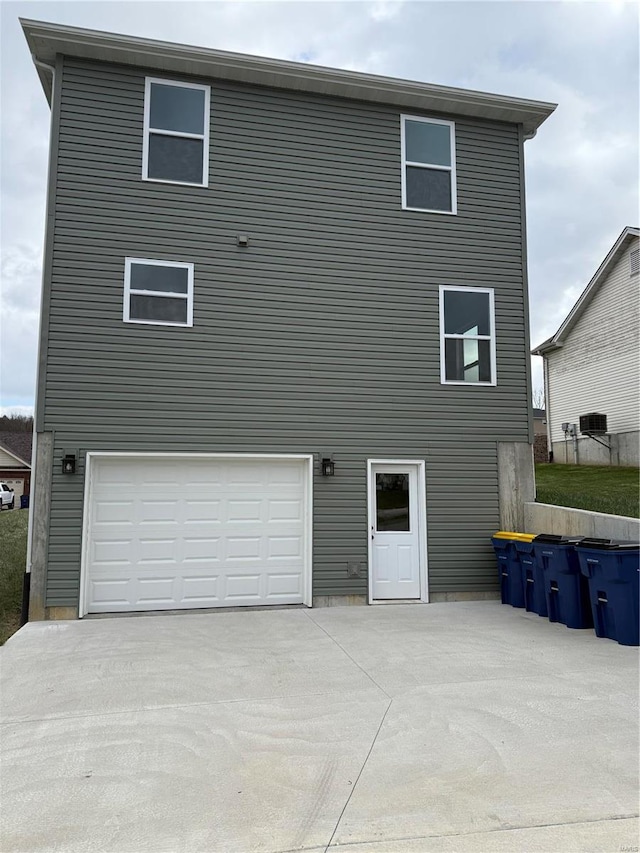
<point>355,784</point>
<point>353,661</point>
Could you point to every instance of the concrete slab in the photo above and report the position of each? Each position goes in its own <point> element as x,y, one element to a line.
<point>447,727</point>
<point>170,660</point>
<point>226,778</point>
<point>610,836</point>
<point>494,755</point>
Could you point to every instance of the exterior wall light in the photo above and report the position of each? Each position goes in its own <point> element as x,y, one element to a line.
<point>69,464</point>
<point>328,467</point>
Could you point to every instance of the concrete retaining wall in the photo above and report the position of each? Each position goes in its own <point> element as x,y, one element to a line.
<point>625,450</point>
<point>546,518</point>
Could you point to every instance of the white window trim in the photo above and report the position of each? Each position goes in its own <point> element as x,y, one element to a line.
<point>491,337</point>
<point>147,130</point>
<point>451,169</point>
<point>161,294</point>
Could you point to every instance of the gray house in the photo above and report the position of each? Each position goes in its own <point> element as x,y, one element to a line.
<point>284,345</point>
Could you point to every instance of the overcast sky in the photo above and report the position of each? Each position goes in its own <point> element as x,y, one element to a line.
<point>581,168</point>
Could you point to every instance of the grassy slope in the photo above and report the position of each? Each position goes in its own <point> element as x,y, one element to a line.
<point>13,553</point>
<point>594,487</point>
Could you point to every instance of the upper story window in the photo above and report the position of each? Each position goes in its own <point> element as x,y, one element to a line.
<point>634,261</point>
<point>158,292</point>
<point>467,336</point>
<point>428,165</point>
<point>176,132</point>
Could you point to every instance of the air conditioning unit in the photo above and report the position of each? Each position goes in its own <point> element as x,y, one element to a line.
<point>593,424</point>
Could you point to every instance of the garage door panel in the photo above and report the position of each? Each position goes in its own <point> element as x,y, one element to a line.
<point>202,533</point>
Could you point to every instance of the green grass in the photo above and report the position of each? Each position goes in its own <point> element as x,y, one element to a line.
<point>598,488</point>
<point>13,555</point>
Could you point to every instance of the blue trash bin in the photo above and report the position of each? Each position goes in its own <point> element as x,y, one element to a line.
<point>613,569</point>
<point>532,579</point>
<point>566,590</point>
<point>24,502</point>
<point>509,570</point>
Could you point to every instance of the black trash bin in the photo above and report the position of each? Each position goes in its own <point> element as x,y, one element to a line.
<point>24,502</point>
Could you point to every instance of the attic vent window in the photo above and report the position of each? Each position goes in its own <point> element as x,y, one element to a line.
<point>428,165</point>
<point>176,132</point>
<point>634,262</point>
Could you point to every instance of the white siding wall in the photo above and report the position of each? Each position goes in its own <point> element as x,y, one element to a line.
<point>597,369</point>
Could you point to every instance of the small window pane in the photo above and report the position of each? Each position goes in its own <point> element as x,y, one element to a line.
<point>467,360</point>
<point>466,313</point>
<point>177,108</point>
<point>392,502</point>
<point>428,143</point>
<point>172,158</point>
<point>161,309</point>
<point>428,189</point>
<point>163,279</point>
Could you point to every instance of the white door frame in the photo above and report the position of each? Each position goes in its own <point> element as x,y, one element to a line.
<point>307,591</point>
<point>419,465</point>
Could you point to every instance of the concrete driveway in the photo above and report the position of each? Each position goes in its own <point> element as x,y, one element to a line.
<point>390,729</point>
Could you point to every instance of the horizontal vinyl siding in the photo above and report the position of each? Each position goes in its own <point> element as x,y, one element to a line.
<point>321,337</point>
<point>597,368</point>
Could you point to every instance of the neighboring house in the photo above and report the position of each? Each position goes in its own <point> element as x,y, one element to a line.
<point>540,451</point>
<point>591,364</point>
<point>15,462</point>
<point>539,422</point>
<point>284,343</point>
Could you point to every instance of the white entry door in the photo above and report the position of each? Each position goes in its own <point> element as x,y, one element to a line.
<point>395,519</point>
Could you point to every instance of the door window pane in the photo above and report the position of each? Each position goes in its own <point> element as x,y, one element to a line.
<point>428,143</point>
<point>175,158</point>
<point>177,108</point>
<point>428,189</point>
<point>392,502</point>
<point>466,313</point>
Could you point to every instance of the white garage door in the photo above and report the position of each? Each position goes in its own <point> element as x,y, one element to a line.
<point>185,532</point>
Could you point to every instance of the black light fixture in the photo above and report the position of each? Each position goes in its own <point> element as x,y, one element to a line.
<point>328,467</point>
<point>69,464</point>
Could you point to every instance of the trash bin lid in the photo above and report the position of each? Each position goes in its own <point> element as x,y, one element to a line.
<point>557,539</point>
<point>518,537</point>
<point>609,544</point>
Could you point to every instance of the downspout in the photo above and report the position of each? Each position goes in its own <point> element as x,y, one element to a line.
<point>547,403</point>
<point>26,581</point>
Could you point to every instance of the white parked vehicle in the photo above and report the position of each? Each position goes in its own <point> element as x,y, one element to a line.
<point>7,497</point>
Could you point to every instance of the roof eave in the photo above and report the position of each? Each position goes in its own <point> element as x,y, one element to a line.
<point>590,290</point>
<point>46,40</point>
<point>16,456</point>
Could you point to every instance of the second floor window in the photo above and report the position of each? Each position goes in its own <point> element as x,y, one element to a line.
<point>428,165</point>
<point>176,132</point>
<point>158,292</point>
<point>467,336</point>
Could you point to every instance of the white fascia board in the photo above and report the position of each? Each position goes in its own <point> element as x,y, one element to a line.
<point>45,40</point>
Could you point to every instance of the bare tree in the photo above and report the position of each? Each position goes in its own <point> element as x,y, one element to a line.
<point>538,398</point>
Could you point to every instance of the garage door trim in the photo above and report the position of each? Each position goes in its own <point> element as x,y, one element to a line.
<point>92,456</point>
